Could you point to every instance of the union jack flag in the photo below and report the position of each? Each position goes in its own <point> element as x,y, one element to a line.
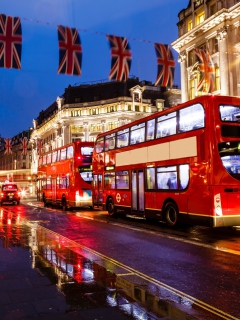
<point>121,58</point>
<point>166,65</point>
<point>24,146</point>
<point>70,51</point>
<point>10,42</point>
<point>8,146</point>
<point>39,146</point>
<point>206,67</point>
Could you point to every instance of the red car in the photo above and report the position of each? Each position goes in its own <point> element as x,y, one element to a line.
<point>9,193</point>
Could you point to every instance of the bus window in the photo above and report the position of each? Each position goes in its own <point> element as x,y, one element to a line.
<point>49,158</point>
<point>151,181</point>
<point>184,175</point>
<point>167,178</point>
<point>191,118</point>
<point>48,183</point>
<point>45,159</point>
<point>230,113</point>
<point>63,182</point>
<point>150,129</point>
<point>86,151</point>
<point>137,133</point>
<point>40,161</point>
<point>54,156</point>
<point>86,173</point>
<point>86,176</point>
<point>122,180</point>
<point>63,154</point>
<point>110,142</point>
<point>109,180</point>
<point>99,145</point>
<point>122,138</point>
<point>70,152</point>
<point>166,125</point>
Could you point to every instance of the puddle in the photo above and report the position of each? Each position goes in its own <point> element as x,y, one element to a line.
<point>87,280</point>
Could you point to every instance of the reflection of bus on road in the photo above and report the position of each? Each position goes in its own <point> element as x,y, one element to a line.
<point>178,165</point>
<point>65,175</point>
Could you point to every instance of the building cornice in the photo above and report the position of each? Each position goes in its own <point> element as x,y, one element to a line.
<point>224,15</point>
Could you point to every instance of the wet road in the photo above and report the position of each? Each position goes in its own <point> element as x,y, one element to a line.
<point>197,269</point>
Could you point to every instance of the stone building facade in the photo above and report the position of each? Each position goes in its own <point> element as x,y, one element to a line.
<point>212,25</point>
<point>84,111</point>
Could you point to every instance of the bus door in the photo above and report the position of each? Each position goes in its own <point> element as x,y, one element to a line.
<point>54,190</point>
<point>138,201</point>
<point>97,191</point>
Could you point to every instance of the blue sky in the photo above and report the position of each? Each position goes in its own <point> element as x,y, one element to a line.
<point>25,92</point>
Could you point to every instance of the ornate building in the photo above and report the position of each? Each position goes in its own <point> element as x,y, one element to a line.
<point>14,165</point>
<point>214,26</point>
<point>86,110</point>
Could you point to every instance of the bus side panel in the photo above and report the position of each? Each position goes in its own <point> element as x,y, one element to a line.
<point>200,206</point>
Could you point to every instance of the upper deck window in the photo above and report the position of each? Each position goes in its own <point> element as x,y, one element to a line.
<point>137,133</point>
<point>122,138</point>
<point>230,113</point>
<point>70,152</point>
<point>99,145</point>
<point>166,125</point>
<point>86,151</point>
<point>191,118</point>
<point>110,142</point>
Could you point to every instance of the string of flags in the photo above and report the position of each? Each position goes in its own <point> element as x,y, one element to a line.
<point>24,141</point>
<point>70,52</point>
<point>8,146</point>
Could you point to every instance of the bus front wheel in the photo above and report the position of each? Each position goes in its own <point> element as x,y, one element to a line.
<point>171,214</point>
<point>110,207</point>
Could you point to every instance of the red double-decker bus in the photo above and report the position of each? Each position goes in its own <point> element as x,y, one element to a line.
<point>178,165</point>
<point>65,175</point>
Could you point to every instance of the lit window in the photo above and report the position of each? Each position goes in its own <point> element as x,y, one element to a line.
<point>190,25</point>
<point>200,17</point>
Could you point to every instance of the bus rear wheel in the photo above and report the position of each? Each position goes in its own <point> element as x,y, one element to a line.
<point>64,204</point>
<point>110,207</point>
<point>171,214</point>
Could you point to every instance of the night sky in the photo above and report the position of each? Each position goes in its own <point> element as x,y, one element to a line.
<point>25,92</point>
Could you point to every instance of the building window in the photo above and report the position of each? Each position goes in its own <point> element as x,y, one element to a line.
<point>79,99</point>
<point>217,79</point>
<point>76,129</point>
<point>191,89</point>
<point>191,58</point>
<point>213,9</point>
<point>136,97</point>
<point>190,25</point>
<point>214,45</point>
<point>200,18</point>
<point>129,107</point>
<point>111,109</point>
<point>137,108</point>
<point>97,97</point>
<point>94,111</point>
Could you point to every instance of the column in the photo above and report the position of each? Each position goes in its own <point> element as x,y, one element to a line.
<point>182,59</point>
<point>86,131</point>
<point>223,61</point>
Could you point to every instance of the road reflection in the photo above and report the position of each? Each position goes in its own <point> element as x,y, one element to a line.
<point>86,280</point>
